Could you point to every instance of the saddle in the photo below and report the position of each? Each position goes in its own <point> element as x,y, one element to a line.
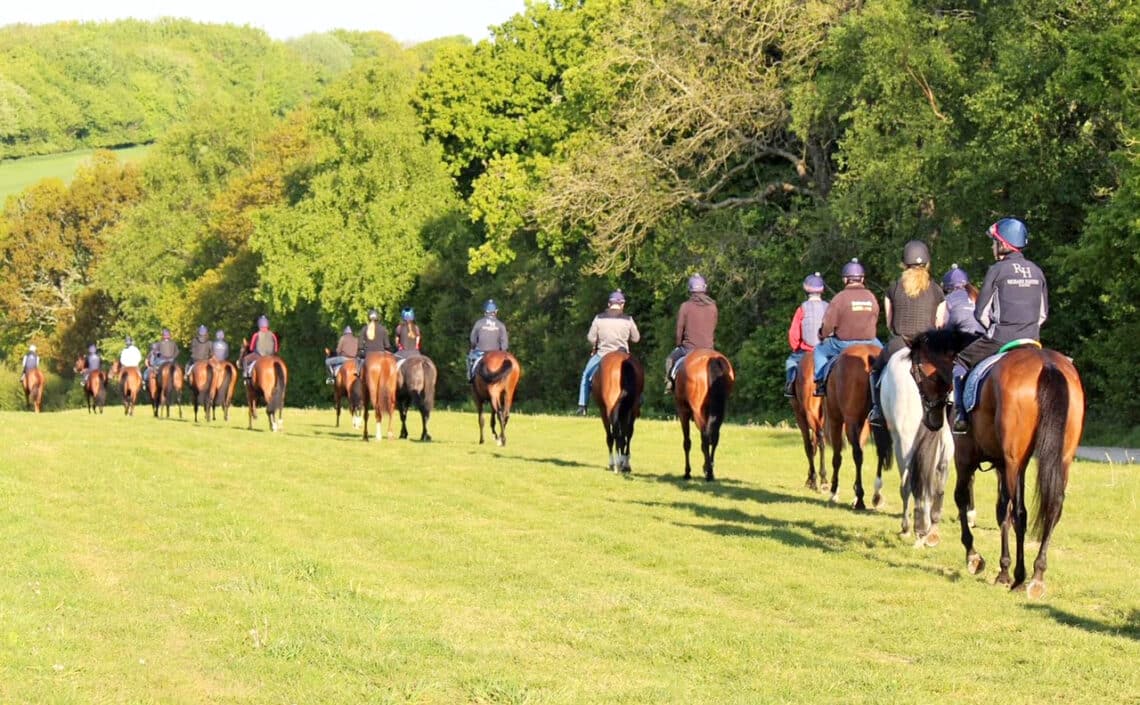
<point>978,374</point>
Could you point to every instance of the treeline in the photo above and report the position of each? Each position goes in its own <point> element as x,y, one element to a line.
<point>623,143</point>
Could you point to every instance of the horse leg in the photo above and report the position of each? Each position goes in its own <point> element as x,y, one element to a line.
<point>1020,522</point>
<point>709,447</point>
<point>425,414</point>
<point>809,450</point>
<point>607,423</point>
<point>1005,519</point>
<point>686,443</point>
<point>626,441</point>
<point>402,407</point>
<point>479,408</point>
<point>503,413</point>
<point>963,492</point>
<point>853,437</point>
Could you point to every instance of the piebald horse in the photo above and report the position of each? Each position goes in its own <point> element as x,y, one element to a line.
<point>497,375</point>
<point>130,385</point>
<point>700,392</point>
<point>617,388</point>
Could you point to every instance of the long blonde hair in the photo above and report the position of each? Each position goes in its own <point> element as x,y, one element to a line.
<point>915,280</point>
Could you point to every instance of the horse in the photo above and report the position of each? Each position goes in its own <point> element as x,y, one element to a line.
<point>415,386</point>
<point>845,414</point>
<point>165,385</point>
<point>201,379</point>
<point>346,389</point>
<point>808,410</point>
<point>33,383</point>
<point>496,376</point>
<point>94,388</point>
<point>378,380</point>
<point>266,383</point>
<point>700,393</point>
<point>617,388</point>
<point>223,382</point>
<point>130,385</point>
<point>922,448</point>
<point>1031,403</point>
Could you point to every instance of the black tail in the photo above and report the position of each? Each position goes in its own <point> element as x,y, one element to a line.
<point>629,398</point>
<point>885,445</point>
<point>492,377</point>
<point>1053,416</point>
<point>718,391</point>
<point>430,374</point>
<point>922,473</point>
<point>278,401</point>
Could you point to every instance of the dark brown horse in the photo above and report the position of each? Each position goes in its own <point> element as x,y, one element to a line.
<point>1031,403</point>
<point>33,383</point>
<point>347,390</point>
<point>808,410</point>
<point>617,388</point>
<point>700,392</point>
<point>201,381</point>
<point>496,377</point>
<point>165,386</point>
<point>224,380</point>
<point>378,378</point>
<point>415,386</point>
<point>94,388</point>
<point>266,385</point>
<point>846,408</point>
<point>130,386</point>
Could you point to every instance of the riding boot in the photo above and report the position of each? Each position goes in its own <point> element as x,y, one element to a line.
<point>820,388</point>
<point>790,384</point>
<point>581,410</point>
<point>961,420</point>
<point>875,418</point>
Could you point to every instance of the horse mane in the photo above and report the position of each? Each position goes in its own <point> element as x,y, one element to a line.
<point>942,341</point>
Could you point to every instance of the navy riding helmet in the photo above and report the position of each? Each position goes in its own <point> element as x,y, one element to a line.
<point>813,284</point>
<point>1010,232</point>
<point>956,278</point>
<point>853,270</point>
<point>490,307</point>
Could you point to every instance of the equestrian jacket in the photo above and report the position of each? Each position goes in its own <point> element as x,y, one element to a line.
<point>612,330</point>
<point>852,315</point>
<point>167,349</point>
<point>130,357</point>
<point>200,349</point>
<point>1014,300</point>
<point>264,342</point>
<point>31,361</point>
<point>488,334</point>
<point>94,362</point>
<point>347,346</point>
<point>221,350</point>
<point>696,323</point>
<point>374,338</point>
<point>803,334</point>
<point>960,312</point>
<point>909,317</point>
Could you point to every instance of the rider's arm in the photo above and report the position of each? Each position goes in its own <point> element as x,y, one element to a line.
<point>679,334</point>
<point>941,316</point>
<point>795,331</point>
<point>1044,301</point>
<point>502,337</point>
<point>985,306</point>
<point>634,333</point>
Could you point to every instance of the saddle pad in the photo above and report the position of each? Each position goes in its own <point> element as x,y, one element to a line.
<point>975,378</point>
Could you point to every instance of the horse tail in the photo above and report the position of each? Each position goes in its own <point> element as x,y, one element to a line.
<point>885,445</point>
<point>492,377</point>
<point>627,399</point>
<point>430,374</point>
<point>719,379</point>
<point>1053,412</point>
<point>277,402</point>
<point>925,458</point>
<point>101,395</point>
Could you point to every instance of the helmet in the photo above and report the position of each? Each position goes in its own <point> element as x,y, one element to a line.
<point>408,314</point>
<point>220,335</point>
<point>956,278</point>
<point>373,315</point>
<point>129,340</point>
<point>32,347</point>
<point>697,284</point>
<point>490,306</point>
<point>202,330</point>
<point>262,322</point>
<point>853,270</point>
<point>617,298</point>
<point>347,330</point>
<point>91,348</point>
<point>166,334</point>
<point>915,253</point>
<point>813,284</point>
<point>1010,232</point>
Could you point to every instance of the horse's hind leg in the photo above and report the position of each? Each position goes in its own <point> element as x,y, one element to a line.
<point>1005,513</point>
<point>1020,523</point>
<point>479,408</point>
<point>857,457</point>
<point>686,443</point>
<point>963,495</point>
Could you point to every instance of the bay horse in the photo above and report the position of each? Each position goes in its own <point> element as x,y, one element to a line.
<point>415,386</point>
<point>617,388</point>
<point>700,393</point>
<point>378,382</point>
<point>223,382</point>
<point>266,384</point>
<point>201,381</point>
<point>846,407</point>
<point>1031,403</point>
<point>165,386</point>
<point>808,410</point>
<point>33,383</point>
<point>130,386</point>
<point>922,444</point>
<point>347,390</point>
<point>496,376</point>
<point>94,388</point>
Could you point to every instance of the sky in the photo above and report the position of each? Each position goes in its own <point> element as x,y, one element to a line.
<point>406,20</point>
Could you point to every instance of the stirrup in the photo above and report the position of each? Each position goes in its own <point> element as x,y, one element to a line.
<point>875,418</point>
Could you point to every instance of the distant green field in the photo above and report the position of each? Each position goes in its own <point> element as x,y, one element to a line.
<point>18,174</point>
<point>165,561</point>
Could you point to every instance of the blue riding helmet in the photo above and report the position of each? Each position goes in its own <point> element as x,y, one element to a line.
<point>347,330</point>
<point>916,253</point>
<point>490,306</point>
<point>697,284</point>
<point>853,270</point>
<point>262,322</point>
<point>617,298</point>
<point>373,315</point>
<point>956,278</point>
<point>203,330</point>
<point>408,314</point>
<point>1010,232</point>
<point>813,284</point>
<point>166,334</point>
<point>91,348</point>
<point>220,335</point>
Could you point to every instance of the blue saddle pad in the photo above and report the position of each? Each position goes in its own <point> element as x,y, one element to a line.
<point>975,378</point>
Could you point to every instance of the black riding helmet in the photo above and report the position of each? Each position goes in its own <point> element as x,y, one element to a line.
<point>916,253</point>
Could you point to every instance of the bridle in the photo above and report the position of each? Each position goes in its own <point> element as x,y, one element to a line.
<point>931,408</point>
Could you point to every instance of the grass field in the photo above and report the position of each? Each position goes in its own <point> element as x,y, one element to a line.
<point>18,174</point>
<point>166,562</point>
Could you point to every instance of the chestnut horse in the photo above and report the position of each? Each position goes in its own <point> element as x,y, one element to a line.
<point>266,384</point>
<point>808,410</point>
<point>164,386</point>
<point>201,381</point>
<point>94,388</point>
<point>378,381</point>
<point>415,386</point>
<point>700,392</point>
<point>1031,403</point>
<point>496,377</point>
<point>224,380</point>
<point>617,388</point>
<point>130,386</point>
<point>347,390</point>
<point>846,408</point>
<point>33,384</point>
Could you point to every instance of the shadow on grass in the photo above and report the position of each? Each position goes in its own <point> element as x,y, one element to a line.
<point>1130,628</point>
<point>733,489</point>
<point>559,462</point>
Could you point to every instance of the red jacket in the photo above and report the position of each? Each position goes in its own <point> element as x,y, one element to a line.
<point>795,333</point>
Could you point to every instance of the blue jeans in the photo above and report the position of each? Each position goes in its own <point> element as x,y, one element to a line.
<point>587,377</point>
<point>831,347</point>
<point>791,364</point>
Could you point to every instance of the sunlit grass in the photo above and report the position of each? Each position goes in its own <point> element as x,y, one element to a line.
<point>18,174</point>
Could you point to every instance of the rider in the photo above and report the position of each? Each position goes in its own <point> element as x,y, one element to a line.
<point>263,342</point>
<point>151,362</point>
<point>803,333</point>
<point>913,304</point>
<point>959,303</point>
<point>1012,304</point>
<point>487,334</point>
<point>696,326</point>
<point>373,338</point>
<point>30,362</point>
<point>131,356</point>
<point>200,349</point>
<point>407,335</point>
<point>220,350</point>
<point>850,319</point>
<point>93,362</point>
<point>610,331</point>
<point>346,347</point>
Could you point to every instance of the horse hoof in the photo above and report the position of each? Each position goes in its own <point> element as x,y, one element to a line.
<point>975,564</point>
<point>1003,579</point>
<point>932,539</point>
<point>500,442</point>
<point>859,506</point>
<point>919,541</point>
<point>877,501</point>
<point>1035,590</point>
<point>835,498</point>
